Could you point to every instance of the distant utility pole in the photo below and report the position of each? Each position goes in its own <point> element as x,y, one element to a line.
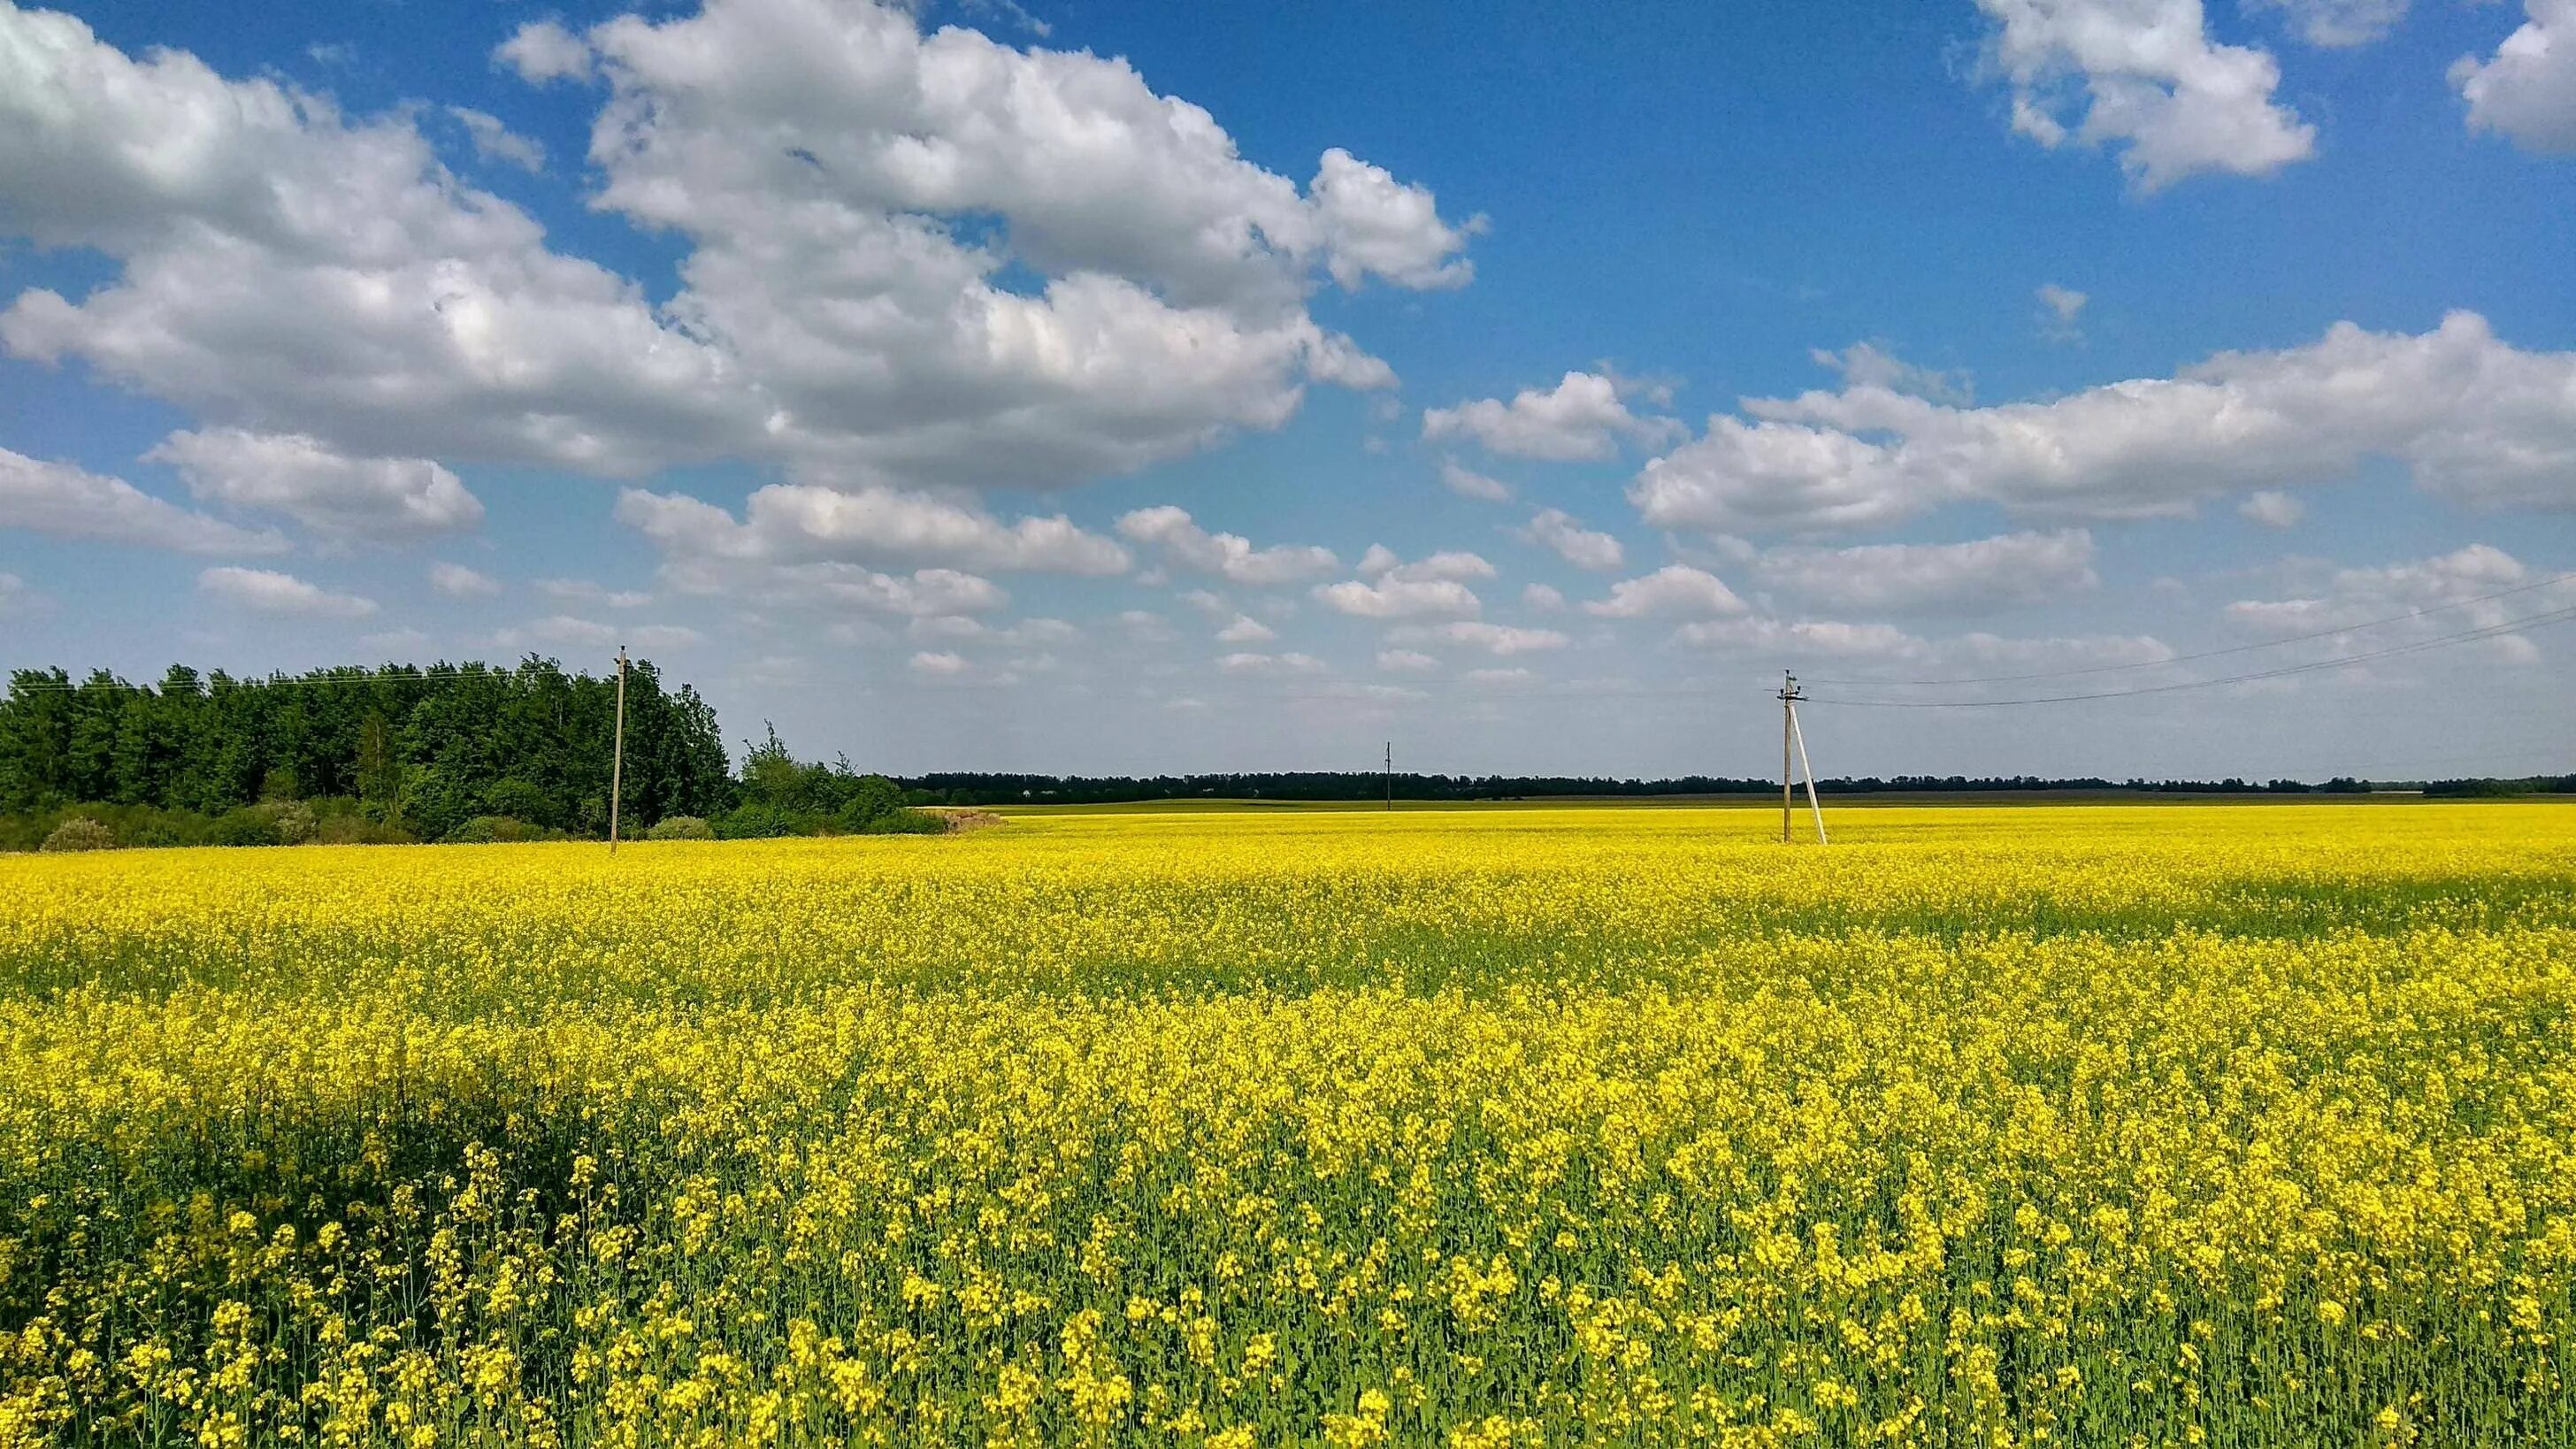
<point>617,760</point>
<point>1390,777</point>
<point>1794,738</point>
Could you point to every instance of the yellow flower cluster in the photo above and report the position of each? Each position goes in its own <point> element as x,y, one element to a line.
<point>2008,1127</point>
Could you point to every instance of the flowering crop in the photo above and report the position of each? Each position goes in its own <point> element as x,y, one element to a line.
<point>2100,1126</point>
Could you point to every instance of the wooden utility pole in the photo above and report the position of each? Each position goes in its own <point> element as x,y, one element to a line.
<point>617,760</point>
<point>1788,729</point>
<point>1390,777</point>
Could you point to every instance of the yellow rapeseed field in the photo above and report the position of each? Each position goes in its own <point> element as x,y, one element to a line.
<point>2144,1126</point>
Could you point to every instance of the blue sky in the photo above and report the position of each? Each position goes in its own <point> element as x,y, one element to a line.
<point>1115,388</point>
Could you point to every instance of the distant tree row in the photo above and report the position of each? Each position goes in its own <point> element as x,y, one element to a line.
<point>423,750</point>
<point>998,789</point>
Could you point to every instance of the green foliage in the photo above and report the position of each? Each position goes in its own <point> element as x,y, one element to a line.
<point>80,833</point>
<point>498,830</point>
<point>681,827</point>
<point>422,748</point>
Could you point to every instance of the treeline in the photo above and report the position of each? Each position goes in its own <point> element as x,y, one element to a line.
<point>415,752</point>
<point>1004,789</point>
<point>452,752</point>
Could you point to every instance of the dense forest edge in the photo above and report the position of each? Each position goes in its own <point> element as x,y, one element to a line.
<point>478,752</point>
<point>447,752</point>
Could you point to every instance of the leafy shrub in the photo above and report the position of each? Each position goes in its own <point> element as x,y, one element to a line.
<point>359,830</point>
<point>871,798</point>
<point>497,830</point>
<point>294,824</point>
<point>760,822</point>
<point>249,825</point>
<point>900,821</point>
<point>682,827</point>
<point>80,832</point>
<point>519,800</point>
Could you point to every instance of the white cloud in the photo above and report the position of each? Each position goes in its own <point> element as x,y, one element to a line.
<point>786,523</point>
<point>939,663</point>
<point>2337,23</point>
<point>1393,598</point>
<point>1246,629</point>
<point>458,581</point>
<point>583,591</point>
<point>542,51</point>
<point>1500,639</point>
<point>2476,420</point>
<point>1583,417</point>
<point>2273,508</point>
<point>1986,573</point>
<point>284,266</point>
<point>2145,77</point>
<point>1405,660</point>
<point>569,631</point>
<point>1227,554</point>
<point>1500,678</point>
<point>15,597</point>
<point>1577,545</point>
<point>266,591</point>
<point>1803,637</point>
<point>847,191</point>
<point>1866,364</point>
<point>1468,483</point>
<point>68,502</point>
<point>1672,589</point>
<point>494,141</point>
<point>2355,596</point>
<point>2526,91</point>
<point>1390,589</point>
<point>2059,309</point>
<point>384,499</point>
<point>1542,597</point>
<point>1270,664</point>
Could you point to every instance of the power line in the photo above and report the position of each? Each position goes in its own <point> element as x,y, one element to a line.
<point>2530,621</point>
<point>2231,649</point>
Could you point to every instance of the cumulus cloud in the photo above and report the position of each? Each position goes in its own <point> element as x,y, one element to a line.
<point>457,581</point>
<point>1542,597</point>
<point>938,663</point>
<point>68,502</point>
<point>1405,660</point>
<point>15,597</point>
<point>792,523</point>
<point>267,591</point>
<point>846,190</point>
<point>1985,573</point>
<point>1245,629</point>
<point>1500,639</point>
<point>2476,421</point>
<point>1229,555</point>
<point>1585,549</point>
<point>1468,483</point>
<point>2526,91</point>
<point>2273,508</point>
<point>1672,589</point>
<point>1391,589</point>
<point>388,500</point>
<point>1582,418</point>
<point>1866,364</point>
<point>2144,77</point>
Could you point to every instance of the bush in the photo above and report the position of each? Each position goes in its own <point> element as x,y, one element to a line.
<point>872,798</point>
<point>907,822</point>
<point>359,830</point>
<point>760,822</point>
<point>79,832</point>
<point>497,830</point>
<point>681,827</point>
<point>248,825</point>
<point>516,799</point>
<point>293,824</point>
